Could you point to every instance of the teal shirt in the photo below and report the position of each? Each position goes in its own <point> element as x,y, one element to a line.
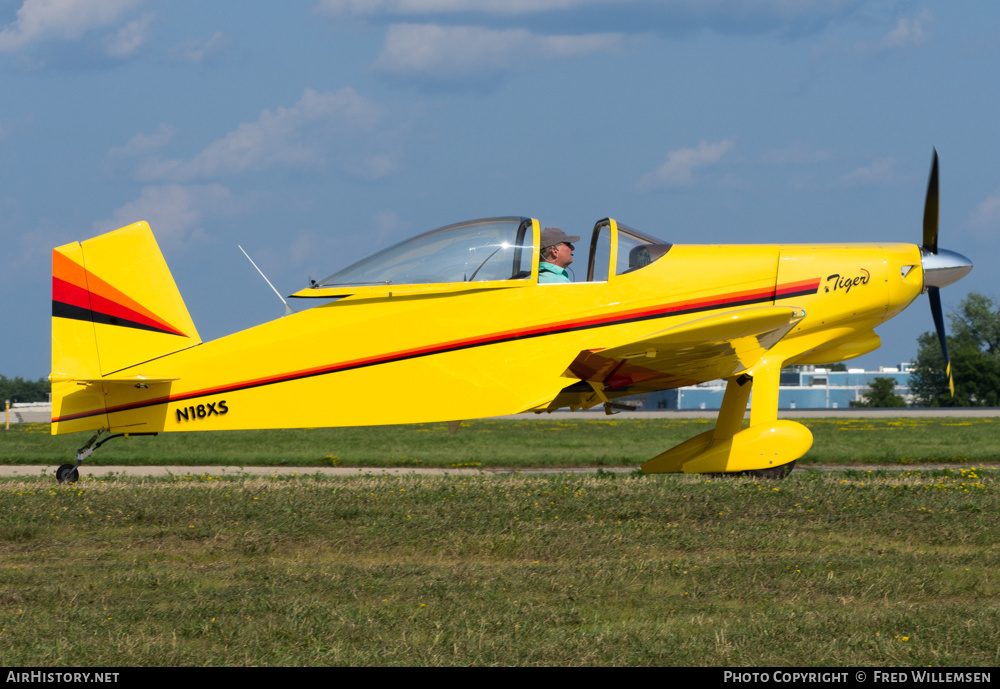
<point>549,273</point>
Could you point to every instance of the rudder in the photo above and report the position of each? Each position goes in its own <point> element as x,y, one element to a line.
<point>114,305</point>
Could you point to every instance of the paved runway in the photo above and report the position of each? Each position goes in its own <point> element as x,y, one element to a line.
<point>902,412</point>
<point>100,471</point>
<point>37,416</point>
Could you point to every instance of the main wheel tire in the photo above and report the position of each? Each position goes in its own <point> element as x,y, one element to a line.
<point>67,473</point>
<point>775,474</point>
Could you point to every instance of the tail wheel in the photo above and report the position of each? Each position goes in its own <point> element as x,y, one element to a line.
<point>67,473</point>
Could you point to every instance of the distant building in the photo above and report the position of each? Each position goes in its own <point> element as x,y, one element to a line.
<point>804,387</point>
<point>27,412</point>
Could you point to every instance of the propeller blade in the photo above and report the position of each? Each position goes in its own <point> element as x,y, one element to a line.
<point>931,209</point>
<point>934,294</point>
<point>942,273</point>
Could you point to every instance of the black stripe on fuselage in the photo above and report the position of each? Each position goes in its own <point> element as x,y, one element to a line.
<point>662,313</point>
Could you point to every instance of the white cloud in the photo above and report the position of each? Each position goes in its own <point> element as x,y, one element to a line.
<point>387,225</point>
<point>311,250</point>
<point>462,52</point>
<point>680,164</point>
<point>143,143</point>
<point>796,154</point>
<point>33,246</point>
<point>199,50</point>
<point>784,8</point>
<point>879,173</point>
<point>672,17</point>
<point>374,166</point>
<point>907,33</point>
<point>127,41</point>
<point>39,20</point>
<point>416,7</point>
<point>306,246</point>
<point>987,214</point>
<point>174,211</point>
<point>299,136</point>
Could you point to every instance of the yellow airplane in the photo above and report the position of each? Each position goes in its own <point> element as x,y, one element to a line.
<point>453,324</point>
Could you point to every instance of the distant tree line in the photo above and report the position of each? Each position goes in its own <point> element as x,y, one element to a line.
<point>974,347</point>
<point>20,390</point>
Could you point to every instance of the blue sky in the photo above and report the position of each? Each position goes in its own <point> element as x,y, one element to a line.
<point>315,132</point>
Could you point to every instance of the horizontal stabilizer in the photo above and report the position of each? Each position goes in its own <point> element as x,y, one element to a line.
<point>116,378</point>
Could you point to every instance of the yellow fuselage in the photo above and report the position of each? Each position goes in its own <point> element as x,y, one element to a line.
<point>466,350</point>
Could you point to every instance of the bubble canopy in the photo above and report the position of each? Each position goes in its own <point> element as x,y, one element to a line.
<point>484,250</point>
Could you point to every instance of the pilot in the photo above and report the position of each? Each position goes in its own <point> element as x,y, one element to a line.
<point>557,254</point>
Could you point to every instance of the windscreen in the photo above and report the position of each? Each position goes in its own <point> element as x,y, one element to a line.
<point>637,250</point>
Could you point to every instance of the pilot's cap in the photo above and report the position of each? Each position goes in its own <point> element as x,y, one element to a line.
<point>553,235</point>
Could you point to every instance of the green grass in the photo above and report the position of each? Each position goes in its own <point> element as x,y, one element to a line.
<point>509,443</point>
<point>842,569</point>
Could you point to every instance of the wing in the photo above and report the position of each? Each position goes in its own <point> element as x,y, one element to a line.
<point>718,346</point>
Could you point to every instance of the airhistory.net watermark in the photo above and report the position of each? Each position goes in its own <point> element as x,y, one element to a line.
<point>31,676</point>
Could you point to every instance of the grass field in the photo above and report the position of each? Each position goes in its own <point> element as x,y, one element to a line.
<point>855,567</point>
<point>510,443</point>
<point>844,569</point>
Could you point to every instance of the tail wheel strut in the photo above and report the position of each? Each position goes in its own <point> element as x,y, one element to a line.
<point>68,473</point>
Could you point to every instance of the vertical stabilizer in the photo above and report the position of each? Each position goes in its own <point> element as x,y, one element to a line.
<point>114,305</point>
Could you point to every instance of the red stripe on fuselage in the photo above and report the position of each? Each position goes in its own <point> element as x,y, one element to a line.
<point>795,288</point>
<point>690,306</point>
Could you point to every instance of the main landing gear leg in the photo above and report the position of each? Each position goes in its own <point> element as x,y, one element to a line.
<point>68,473</point>
<point>767,449</point>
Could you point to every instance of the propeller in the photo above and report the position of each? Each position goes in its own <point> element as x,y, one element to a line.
<point>941,267</point>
